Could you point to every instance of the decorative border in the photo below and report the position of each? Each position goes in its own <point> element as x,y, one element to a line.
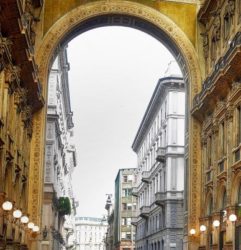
<point>187,53</point>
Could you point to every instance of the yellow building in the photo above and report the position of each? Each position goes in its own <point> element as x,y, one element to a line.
<point>205,38</point>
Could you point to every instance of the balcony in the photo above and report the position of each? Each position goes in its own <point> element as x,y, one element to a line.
<point>134,191</point>
<point>160,198</point>
<point>146,176</point>
<point>144,211</point>
<point>160,154</point>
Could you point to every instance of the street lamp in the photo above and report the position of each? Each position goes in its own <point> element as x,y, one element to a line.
<point>216,223</point>
<point>203,228</point>
<point>192,231</point>
<point>24,219</point>
<point>232,217</point>
<point>7,206</point>
<point>30,225</point>
<point>17,214</point>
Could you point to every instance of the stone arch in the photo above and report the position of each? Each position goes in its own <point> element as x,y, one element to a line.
<point>186,57</point>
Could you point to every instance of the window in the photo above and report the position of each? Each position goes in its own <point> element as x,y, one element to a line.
<point>130,177</point>
<point>128,221</point>
<point>124,178</point>
<point>126,192</point>
<point>129,206</point>
<point>128,236</point>
<point>124,206</point>
<point>222,139</point>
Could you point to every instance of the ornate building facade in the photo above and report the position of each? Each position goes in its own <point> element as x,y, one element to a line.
<point>60,159</point>
<point>90,233</point>
<point>218,108</point>
<point>159,145</point>
<point>204,37</point>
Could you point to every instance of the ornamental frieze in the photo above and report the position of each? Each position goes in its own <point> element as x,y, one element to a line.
<point>20,99</point>
<point>12,77</point>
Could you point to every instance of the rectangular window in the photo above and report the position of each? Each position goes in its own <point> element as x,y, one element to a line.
<point>129,206</point>
<point>124,206</point>
<point>222,139</point>
<point>125,192</point>
<point>124,178</point>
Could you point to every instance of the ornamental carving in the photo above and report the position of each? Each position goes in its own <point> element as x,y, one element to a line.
<point>230,8</point>
<point>12,74</point>
<point>5,45</point>
<point>27,120</point>
<point>205,44</point>
<point>20,99</point>
<point>217,27</point>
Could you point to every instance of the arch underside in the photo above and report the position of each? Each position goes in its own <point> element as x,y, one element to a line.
<point>133,15</point>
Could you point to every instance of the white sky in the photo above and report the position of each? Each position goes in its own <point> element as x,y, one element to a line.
<point>113,73</point>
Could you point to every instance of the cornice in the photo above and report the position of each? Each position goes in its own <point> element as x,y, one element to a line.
<point>164,84</point>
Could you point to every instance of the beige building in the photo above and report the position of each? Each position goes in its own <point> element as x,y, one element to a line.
<point>203,36</point>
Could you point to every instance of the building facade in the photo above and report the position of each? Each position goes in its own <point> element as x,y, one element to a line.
<point>60,161</point>
<point>218,108</point>
<point>204,37</point>
<point>124,210</point>
<point>159,145</point>
<point>90,233</point>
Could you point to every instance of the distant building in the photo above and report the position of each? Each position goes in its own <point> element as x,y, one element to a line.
<point>90,233</point>
<point>159,145</point>
<point>124,210</point>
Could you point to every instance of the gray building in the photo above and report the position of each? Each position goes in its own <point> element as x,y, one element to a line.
<point>124,210</point>
<point>159,145</point>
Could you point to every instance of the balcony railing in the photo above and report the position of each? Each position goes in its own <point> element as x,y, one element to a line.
<point>160,154</point>
<point>146,176</point>
<point>134,191</point>
<point>144,211</point>
<point>160,198</point>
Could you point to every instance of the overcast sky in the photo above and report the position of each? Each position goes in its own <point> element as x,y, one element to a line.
<point>113,73</point>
